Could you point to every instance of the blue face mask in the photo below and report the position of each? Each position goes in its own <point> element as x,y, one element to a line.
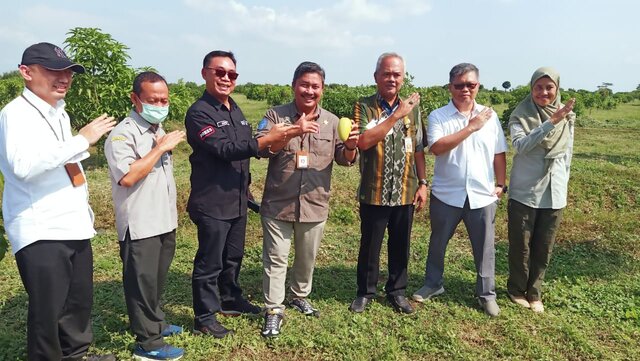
<point>153,113</point>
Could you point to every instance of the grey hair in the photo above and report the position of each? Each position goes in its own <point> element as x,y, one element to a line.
<point>390,55</point>
<point>462,69</point>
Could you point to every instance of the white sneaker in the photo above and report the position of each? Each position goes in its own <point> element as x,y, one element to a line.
<point>519,300</point>
<point>537,306</point>
<point>425,293</point>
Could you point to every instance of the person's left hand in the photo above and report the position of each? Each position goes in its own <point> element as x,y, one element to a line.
<point>352,142</point>
<point>420,198</point>
<point>498,191</point>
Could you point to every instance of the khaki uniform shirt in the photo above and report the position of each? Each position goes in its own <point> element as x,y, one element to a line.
<point>300,195</point>
<point>148,208</point>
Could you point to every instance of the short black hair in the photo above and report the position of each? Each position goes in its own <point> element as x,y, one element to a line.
<point>146,76</point>
<point>218,53</point>
<point>462,69</point>
<point>307,67</point>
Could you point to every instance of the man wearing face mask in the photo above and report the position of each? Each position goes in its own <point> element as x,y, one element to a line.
<point>138,152</point>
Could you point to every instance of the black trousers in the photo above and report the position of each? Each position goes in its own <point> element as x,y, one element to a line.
<point>216,267</point>
<point>397,221</point>
<point>58,277</point>
<point>145,265</point>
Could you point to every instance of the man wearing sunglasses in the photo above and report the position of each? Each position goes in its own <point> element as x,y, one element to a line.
<point>470,147</point>
<point>222,143</point>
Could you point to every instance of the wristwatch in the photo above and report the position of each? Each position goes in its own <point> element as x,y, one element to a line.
<point>504,187</point>
<point>423,182</point>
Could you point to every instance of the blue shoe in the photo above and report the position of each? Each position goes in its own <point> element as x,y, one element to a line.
<point>171,330</point>
<point>166,352</point>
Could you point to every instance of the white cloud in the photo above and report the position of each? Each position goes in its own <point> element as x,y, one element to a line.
<point>326,27</point>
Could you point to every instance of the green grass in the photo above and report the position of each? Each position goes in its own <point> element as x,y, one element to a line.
<point>623,116</point>
<point>591,294</point>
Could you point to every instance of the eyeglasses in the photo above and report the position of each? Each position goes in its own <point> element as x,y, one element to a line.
<point>461,86</point>
<point>220,73</point>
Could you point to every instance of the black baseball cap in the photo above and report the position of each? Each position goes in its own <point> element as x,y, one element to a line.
<point>49,56</point>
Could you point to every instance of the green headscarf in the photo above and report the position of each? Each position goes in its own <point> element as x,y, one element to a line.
<point>530,116</point>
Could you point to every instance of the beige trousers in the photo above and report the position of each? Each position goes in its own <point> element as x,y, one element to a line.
<point>275,257</point>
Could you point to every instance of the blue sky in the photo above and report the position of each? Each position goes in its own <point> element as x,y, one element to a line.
<point>587,41</point>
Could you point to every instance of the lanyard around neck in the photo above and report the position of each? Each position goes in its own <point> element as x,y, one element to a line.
<point>45,119</point>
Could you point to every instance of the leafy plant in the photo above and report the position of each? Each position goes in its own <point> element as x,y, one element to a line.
<point>11,85</point>
<point>106,84</point>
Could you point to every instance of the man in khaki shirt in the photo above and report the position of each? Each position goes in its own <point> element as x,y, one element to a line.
<point>296,193</point>
<point>138,152</point>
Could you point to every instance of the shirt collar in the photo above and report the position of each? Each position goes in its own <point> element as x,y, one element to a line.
<point>388,108</point>
<point>141,123</point>
<point>216,103</point>
<point>452,110</point>
<point>41,105</point>
<point>298,114</point>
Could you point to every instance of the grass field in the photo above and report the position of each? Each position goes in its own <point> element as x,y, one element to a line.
<point>591,294</point>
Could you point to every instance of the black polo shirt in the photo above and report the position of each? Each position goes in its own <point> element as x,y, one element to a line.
<point>222,144</point>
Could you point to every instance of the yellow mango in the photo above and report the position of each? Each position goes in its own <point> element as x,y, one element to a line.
<point>344,128</point>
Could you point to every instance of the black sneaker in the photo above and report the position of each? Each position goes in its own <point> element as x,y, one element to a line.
<point>215,330</point>
<point>272,322</point>
<point>240,307</point>
<point>302,305</point>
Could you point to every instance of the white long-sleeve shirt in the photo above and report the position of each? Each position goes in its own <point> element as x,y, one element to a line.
<point>39,202</point>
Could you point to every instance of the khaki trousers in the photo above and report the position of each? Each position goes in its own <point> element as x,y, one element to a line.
<point>275,256</point>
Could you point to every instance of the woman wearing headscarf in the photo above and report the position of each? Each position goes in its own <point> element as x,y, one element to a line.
<point>541,130</point>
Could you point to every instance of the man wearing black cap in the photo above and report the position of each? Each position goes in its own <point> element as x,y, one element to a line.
<point>46,212</point>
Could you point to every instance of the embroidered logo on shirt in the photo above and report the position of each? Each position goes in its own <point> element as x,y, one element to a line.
<point>206,131</point>
<point>118,138</point>
<point>222,123</point>
<point>244,122</point>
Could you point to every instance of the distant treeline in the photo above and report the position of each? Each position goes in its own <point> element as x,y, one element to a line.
<point>340,99</point>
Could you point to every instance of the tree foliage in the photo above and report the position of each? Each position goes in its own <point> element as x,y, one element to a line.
<point>181,95</point>
<point>107,82</point>
<point>506,85</point>
<point>11,85</point>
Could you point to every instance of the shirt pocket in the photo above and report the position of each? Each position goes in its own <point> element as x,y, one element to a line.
<point>322,144</point>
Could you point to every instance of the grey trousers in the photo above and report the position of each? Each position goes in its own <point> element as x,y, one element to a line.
<point>480,226</point>
<point>145,265</point>
<point>275,256</point>
<point>532,234</point>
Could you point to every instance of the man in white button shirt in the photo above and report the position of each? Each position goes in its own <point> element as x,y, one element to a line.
<point>470,147</point>
<point>45,205</point>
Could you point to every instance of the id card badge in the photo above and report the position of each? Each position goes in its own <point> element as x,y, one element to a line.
<point>75,174</point>
<point>302,159</point>
<point>408,145</point>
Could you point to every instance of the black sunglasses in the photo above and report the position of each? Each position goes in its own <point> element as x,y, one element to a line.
<point>460,86</point>
<point>220,73</point>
